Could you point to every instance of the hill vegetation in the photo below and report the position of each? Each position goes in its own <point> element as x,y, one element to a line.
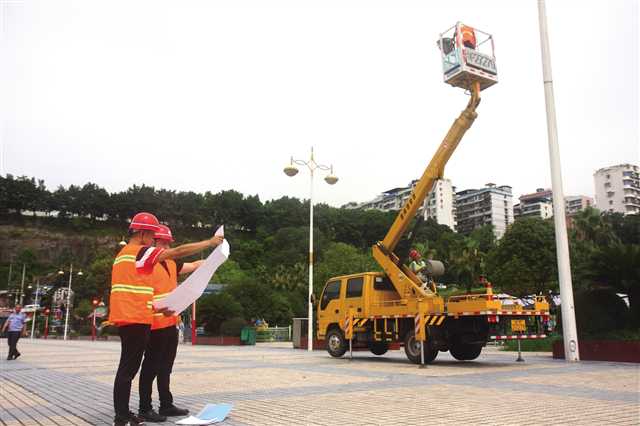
<point>267,276</point>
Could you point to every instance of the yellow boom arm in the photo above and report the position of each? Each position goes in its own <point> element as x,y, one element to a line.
<point>401,276</point>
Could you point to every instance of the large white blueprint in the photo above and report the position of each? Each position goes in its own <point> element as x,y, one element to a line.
<point>193,287</point>
<point>210,414</point>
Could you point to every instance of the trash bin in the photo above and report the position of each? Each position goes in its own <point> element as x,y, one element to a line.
<point>299,331</point>
<point>248,336</point>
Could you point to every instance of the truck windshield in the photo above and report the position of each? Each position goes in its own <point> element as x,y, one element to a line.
<point>331,291</point>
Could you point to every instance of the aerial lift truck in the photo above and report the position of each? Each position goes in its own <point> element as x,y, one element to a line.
<point>379,310</point>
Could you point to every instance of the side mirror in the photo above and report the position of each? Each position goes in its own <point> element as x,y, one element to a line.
<point>312,299</point>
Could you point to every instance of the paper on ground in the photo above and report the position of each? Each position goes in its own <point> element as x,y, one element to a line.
<point>211,413</point>
<point>193,287</point>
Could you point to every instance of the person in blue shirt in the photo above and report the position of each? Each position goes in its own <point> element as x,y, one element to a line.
<point>15,325</point>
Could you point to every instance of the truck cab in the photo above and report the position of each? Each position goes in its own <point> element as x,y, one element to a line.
<point>356,293</point>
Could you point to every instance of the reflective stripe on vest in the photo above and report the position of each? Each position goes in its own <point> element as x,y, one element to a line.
<point>163,284</point>
<point>125,258</point>
<point>131,293</point>
<point>126,288</point>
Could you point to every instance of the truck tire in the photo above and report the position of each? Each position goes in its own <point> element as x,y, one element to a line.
<point>465,352</point>
<point>412,349</point>
<point>336,343</point>
<point>378,348</point>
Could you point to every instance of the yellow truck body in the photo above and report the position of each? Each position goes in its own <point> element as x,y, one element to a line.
<point>377,310</point>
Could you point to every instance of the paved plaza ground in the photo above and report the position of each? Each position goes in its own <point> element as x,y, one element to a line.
<point>70,383</point>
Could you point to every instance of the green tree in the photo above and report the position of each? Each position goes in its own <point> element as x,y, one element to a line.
<point>341,259</point>
<point>618,267</point>
<point>289,246</point>
<point>214,309</point>
<point>284,212</point>
<point>467,264</point>
<point>97,278</point>
<point>92,201</point>
<point>524,261</point>
<point>259,300</point>
<point>83,309</point>
<point>589,225</point>
<point>21,193</point>
<point>231,273</point>
<point>625,227</point>
<point>485,238</point>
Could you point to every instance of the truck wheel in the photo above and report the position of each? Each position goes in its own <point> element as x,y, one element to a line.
<point>336,343</point>
<point>412,349</point>
<point>379,348</point>
<point>467,352</point>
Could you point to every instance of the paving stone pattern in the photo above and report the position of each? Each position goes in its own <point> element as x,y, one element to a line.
<point>70,383</point>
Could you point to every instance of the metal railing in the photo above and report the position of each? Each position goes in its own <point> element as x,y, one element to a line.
<point>273,334</point>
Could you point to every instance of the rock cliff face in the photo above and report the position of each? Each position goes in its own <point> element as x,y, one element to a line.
<point>52,246</point>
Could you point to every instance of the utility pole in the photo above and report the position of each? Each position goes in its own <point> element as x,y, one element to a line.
<point>24,269</point>
<point>9,282</point>
<point>66,318</point>
<point>35,312</point>
<point>569,331</point>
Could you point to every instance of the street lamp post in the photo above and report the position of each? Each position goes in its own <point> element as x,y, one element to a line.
<point>94,302</point>
<point>66,318</point>
<point>35,311</point>
<point>24,269</point>
<point>291,170</point>
<point>569,329</point>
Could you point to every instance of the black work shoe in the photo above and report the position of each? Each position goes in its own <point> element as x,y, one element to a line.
<point>132,420</point>
<point>136,420</point>
<point>17,355</point>
<point>150,416</point>
<point>173,411</point>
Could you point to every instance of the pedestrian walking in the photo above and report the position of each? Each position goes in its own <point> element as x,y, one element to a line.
<point>15,325</point>
<point>163,340</point>
<point>131,303</point>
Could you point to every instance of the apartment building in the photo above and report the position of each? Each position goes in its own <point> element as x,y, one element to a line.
<point>491,205</point>
<point>574,203</point>
<point>537,204</point>
<point>439,204</point>
<point>618,189</point>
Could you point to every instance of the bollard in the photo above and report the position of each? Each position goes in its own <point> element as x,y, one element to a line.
<point>519,353</point>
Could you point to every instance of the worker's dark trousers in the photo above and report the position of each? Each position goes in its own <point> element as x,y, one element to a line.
<point>158,363</point>
<point>133,339</point>
<point>12,341</point>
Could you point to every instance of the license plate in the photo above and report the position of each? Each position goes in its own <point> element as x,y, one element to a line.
<point>518,325</point>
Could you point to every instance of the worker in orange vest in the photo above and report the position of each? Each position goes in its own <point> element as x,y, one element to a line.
<point>468,36</point>
<point>163,341</point>
<point>131,303</point>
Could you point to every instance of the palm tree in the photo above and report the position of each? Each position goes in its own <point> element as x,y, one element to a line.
<point>589,225</point>
<point>468,264</point>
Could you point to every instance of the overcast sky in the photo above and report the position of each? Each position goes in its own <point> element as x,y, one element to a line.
<point>209,96</point>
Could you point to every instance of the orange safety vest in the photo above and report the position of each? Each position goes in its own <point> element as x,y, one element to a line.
<point>131,293</point>
<point>164,283</point>
<point>468,37</point>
